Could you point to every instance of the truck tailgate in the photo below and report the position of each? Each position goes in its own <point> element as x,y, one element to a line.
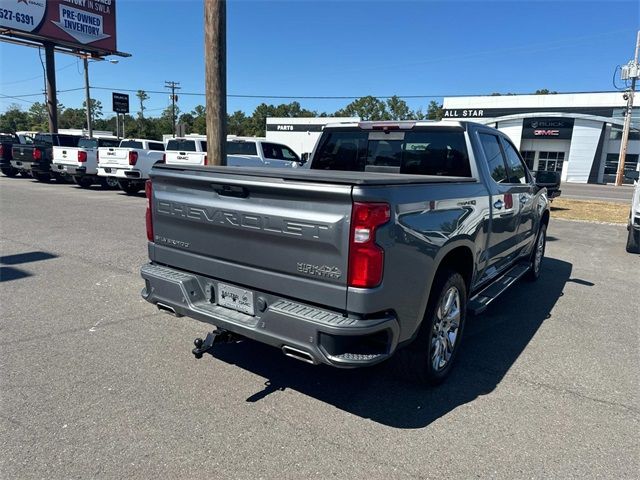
<point>66,155</point>
<point>22,153</point>
<point>114,156</point>
<point>276,235</point>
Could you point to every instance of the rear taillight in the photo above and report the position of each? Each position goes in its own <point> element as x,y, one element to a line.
<point>366,259</point>
<point>148,190</point>
<point>82,156</point>
<point>206,160</point>
<point>133,158</point>
<point>97,156</point>
<point>37,154</point>
<point>1,150</point>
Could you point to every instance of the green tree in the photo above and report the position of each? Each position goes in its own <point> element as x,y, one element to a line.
<point>14,119</point>
<point>544,91</point>
<point>38,116</point>
<point>398,109</point>
<point>96,110</point>
<point>367,108</point>
<point>199,120</point>
<point>72,118</point>
<point>142,97</point>
<point>434,111</point>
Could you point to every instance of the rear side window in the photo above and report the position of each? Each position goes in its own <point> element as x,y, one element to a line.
<point>67,141</point>
<point>130,144</point>
<point>39,138</point>
<point>158,147</point>
<point>105,142</point>
<point>517,172</point>
<point>87,143</point>
<point>493,153</point>
<point>178,145</point>
<point>279,152</point>
<point>441,152</point>
<point>241,148</point>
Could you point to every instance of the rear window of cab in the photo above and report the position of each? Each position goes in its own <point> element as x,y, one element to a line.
<point>430,151</point>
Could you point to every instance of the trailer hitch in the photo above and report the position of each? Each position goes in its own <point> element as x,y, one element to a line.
<point>212,338</point>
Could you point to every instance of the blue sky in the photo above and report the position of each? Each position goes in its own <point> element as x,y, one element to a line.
<point>349,48</point>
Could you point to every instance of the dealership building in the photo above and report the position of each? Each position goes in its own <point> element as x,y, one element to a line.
<point>575,134</point>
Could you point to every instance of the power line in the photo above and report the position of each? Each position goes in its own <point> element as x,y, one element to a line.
<point>17,98</point>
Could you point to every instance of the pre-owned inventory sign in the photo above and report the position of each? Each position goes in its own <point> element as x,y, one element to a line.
<point>84,24</point>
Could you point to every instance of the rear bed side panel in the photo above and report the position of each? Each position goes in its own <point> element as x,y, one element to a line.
<point>266,234</point>
<point>427,222</point>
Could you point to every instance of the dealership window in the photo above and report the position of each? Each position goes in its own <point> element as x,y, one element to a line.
<point>616,134</point>
<point>550,161</point>
<point>529,158</point>
<point>611,163</point>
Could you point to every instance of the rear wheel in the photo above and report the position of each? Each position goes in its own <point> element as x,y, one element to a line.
<point>83,182</point>
<point>130,188</point>
<point>9,171</point>
<point>41,177</point>
<point>537,255</point>
<point>108,182</point>
<point>431,356</point>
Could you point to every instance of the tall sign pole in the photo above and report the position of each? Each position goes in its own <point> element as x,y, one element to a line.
<point>627,119</point>
<point>52,96</point>
<point>215,51</point>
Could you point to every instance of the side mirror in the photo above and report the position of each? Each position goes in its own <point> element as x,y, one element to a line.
<point>304,158</point>
<point>632,175</point>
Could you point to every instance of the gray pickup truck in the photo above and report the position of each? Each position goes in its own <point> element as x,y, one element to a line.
<point>380,247</point>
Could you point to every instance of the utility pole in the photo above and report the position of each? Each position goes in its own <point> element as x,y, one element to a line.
<point>174,98</point>
<point>87,95</point>
<point>633,72</point>
<point>215,51</point>
<point>52,98</point>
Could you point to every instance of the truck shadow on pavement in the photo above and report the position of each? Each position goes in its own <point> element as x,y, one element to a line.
<point>492,344</point>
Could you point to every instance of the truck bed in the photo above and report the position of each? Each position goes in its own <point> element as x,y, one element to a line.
<point>316,176</point>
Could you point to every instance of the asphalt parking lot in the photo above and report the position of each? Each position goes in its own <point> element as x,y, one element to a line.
<point>96,383</point>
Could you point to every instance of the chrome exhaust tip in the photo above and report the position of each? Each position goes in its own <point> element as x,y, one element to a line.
<point>298,354</point>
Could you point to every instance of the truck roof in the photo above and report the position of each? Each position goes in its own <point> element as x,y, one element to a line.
<point>398,124</point>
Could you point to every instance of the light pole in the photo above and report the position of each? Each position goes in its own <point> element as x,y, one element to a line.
<point>87,92</point>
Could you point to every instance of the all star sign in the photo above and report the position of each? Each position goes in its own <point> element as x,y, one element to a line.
<point>86,24</point>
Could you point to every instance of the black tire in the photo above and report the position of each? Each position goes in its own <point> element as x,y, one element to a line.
<point>83,182</point>
<point>536,266</point>
<point>41,177</point>
<point>9,172</point>
<point>130,188</point>
<point>417,361</point>
<point>633,240</point>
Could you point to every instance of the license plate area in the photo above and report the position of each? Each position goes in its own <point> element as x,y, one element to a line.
<point>235,298</point>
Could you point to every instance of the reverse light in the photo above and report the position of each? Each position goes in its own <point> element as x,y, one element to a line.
<point>133,158</point>
<point>82,156</point>
<point>148,190</point>
<point>366,258</point>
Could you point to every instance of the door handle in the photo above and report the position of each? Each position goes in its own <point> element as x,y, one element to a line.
<point>498,205</point>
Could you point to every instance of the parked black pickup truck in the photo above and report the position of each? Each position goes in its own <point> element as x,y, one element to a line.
<point>7,141</point>
<point>36,158</point>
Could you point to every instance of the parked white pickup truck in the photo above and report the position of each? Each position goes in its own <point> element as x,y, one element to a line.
<point>81,162</point>
<point>130,163</point>
<point>241,152</point>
